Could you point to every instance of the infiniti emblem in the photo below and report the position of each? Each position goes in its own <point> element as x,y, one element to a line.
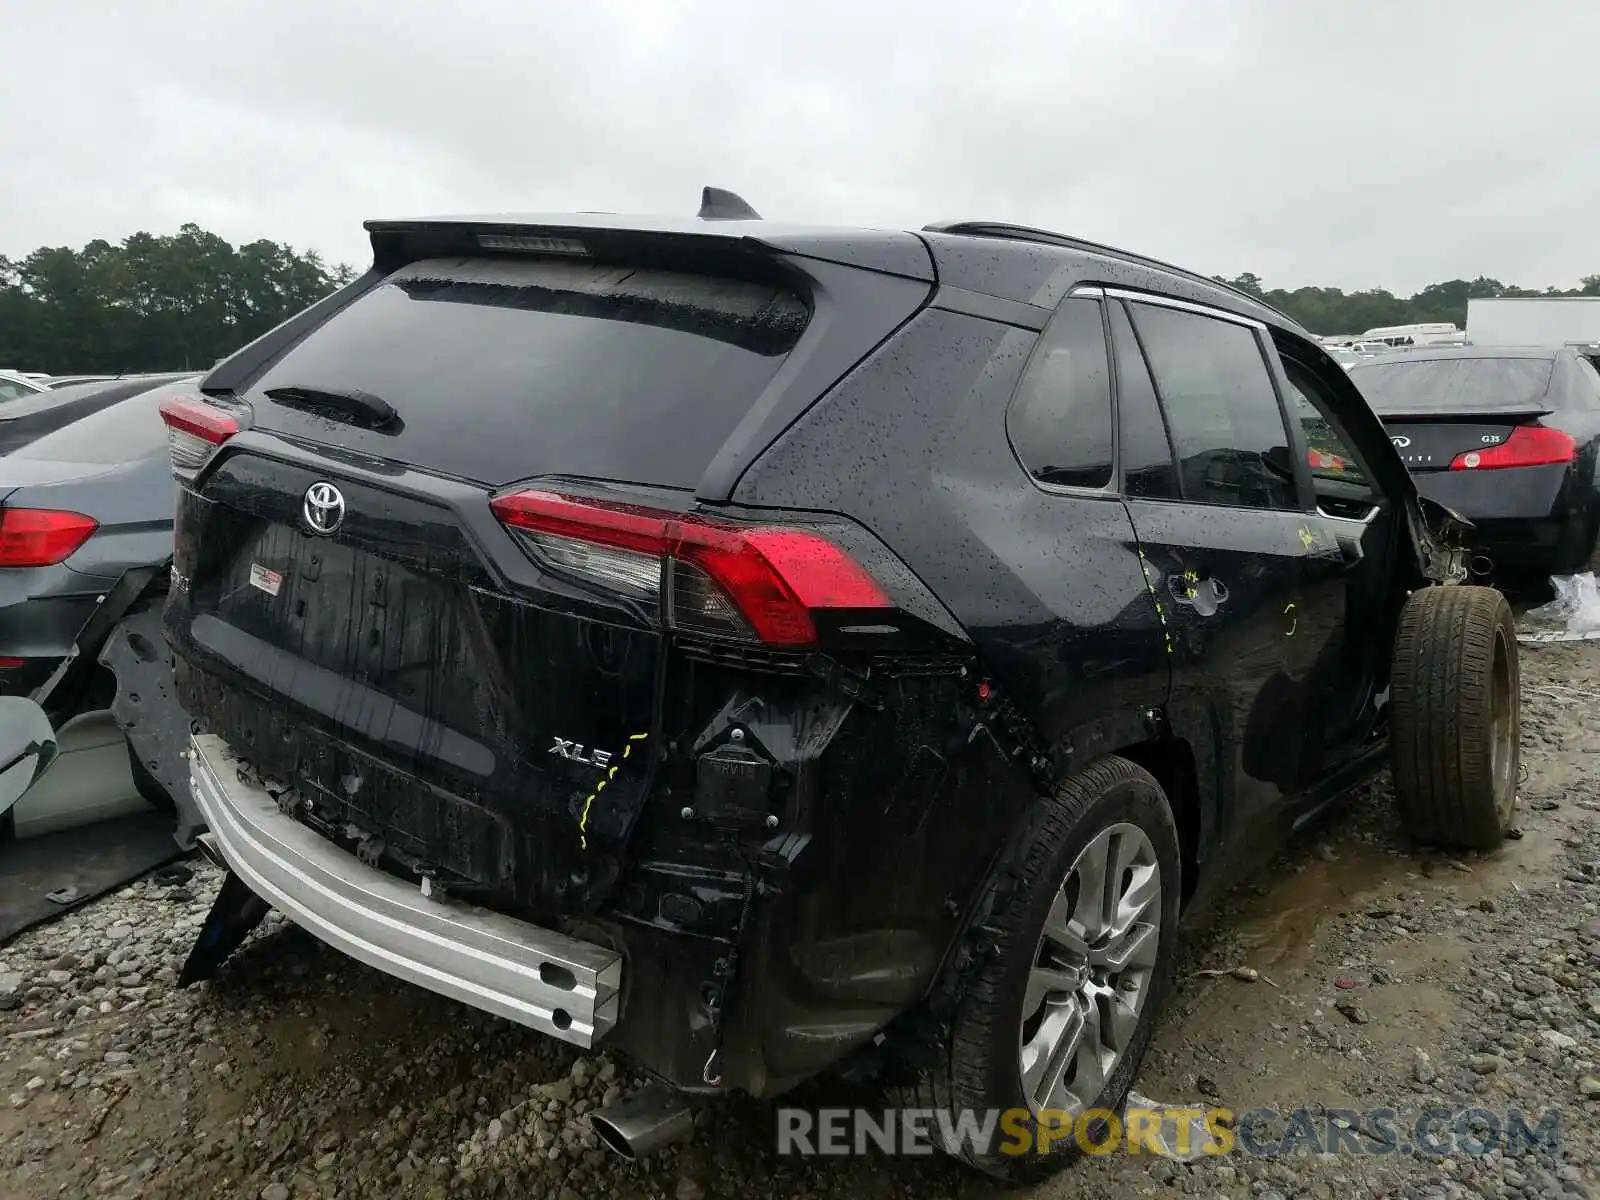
<point>1401,442</point>
<point>324,508</point>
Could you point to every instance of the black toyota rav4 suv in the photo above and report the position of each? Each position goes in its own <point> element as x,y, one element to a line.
<point>759,649</point>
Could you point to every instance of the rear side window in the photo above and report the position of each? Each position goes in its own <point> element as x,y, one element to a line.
<point>1227,429</point>
<point>127,430</point>
<point>1453,385</point>
<point>1060,421</point>
<point>607,371</point>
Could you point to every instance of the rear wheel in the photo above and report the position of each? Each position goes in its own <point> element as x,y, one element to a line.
<point>1456,728</point>
<point>1084,925</point>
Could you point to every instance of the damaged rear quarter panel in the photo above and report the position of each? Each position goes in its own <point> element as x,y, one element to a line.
<point>912,802</point>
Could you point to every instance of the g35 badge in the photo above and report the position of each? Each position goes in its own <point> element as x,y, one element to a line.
<point>578,753</point>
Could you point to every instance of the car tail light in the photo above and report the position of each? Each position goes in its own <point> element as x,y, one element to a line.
<point>753,582</point>
<point>1528,446</point>
<point>195,428</point>
<point>1322,461</point>
<point>40,537</point>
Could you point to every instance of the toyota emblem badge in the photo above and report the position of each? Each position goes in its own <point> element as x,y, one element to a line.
<point>324,508</point>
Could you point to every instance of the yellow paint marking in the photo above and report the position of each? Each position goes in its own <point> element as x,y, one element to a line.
<point>583,820</point>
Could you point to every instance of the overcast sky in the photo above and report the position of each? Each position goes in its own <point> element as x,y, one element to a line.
<point>1353,144</point>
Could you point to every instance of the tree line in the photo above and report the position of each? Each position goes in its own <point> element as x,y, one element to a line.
<point>151,303</point>
<point>181,301</point>
<point>1331,311</point>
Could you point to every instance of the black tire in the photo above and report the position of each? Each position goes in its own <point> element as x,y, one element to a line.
<point>148,786</point>
<point>1456,728</point>
<point>983,1071</point>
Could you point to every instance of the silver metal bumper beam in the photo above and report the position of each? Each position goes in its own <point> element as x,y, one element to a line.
<point>556,984</point>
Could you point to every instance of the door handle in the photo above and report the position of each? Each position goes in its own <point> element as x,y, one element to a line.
<point>1204,593</point>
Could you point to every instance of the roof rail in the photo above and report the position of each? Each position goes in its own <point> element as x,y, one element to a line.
<point>1026,233</point>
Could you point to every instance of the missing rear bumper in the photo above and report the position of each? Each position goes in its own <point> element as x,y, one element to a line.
<point>561,986</point>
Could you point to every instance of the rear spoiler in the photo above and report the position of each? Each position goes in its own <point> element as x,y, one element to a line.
<point>689,243</point>
<point>1512,413</point>
<point>663,241</point>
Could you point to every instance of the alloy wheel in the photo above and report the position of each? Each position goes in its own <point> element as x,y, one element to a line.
<point>1092,971</point>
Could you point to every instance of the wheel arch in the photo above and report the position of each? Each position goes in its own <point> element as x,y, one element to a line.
<point>1171,761</point>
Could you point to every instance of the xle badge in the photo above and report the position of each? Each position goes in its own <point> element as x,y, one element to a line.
<point>578,753</point>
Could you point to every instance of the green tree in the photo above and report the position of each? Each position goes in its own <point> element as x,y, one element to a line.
<point>151,302</point>
<point>1331,311</point>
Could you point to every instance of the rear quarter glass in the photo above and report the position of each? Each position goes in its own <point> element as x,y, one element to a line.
<point>503,369</point>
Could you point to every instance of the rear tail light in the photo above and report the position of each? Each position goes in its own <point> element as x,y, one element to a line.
<point>195,429</point>
<point>39,537</point>
<point>750,582</point>
<point>1528,446</point>
<point>1322,461</point>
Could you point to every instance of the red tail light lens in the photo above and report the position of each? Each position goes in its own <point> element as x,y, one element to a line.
<point>195,428</point>
<point>36,537</point>
<point>1322,461</point>
<point>1528,446</point>
<point>746,581</point>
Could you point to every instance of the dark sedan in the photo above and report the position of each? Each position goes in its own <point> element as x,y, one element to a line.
<point>1507,437</point>
<point>78,508</point>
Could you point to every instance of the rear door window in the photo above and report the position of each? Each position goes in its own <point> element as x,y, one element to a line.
<point>1227,428</point>
<point>501,369</point>
<point>1327,452</point>
<point>1060,421</point>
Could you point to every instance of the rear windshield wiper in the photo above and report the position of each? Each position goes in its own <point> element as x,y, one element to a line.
<point>364,407</point>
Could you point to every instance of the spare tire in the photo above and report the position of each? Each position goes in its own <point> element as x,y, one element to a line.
<point>1456,725</point>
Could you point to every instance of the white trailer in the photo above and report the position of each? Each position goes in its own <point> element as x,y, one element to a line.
<point>1428,333</point>
<point>1534,321</point>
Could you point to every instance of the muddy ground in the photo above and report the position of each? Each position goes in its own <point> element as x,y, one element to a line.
<point>1390,976</point>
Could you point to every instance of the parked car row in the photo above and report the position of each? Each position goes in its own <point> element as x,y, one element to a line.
<point>765,650</point>
<point>1509,438</point>
<point>14,385</point>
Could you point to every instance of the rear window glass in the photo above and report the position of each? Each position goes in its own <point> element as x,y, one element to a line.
<point>128,430</point>
<point>500,368</point>
<point>1444,385</point>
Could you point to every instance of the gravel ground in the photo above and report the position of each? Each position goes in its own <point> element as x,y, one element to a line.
<point>1388,976</point>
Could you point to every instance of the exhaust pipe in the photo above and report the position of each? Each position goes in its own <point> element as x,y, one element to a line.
<point>1481,566</point>
<point>213,852</point>
<point>650,1119</point>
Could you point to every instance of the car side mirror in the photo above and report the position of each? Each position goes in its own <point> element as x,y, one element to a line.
<point>27,748</point>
